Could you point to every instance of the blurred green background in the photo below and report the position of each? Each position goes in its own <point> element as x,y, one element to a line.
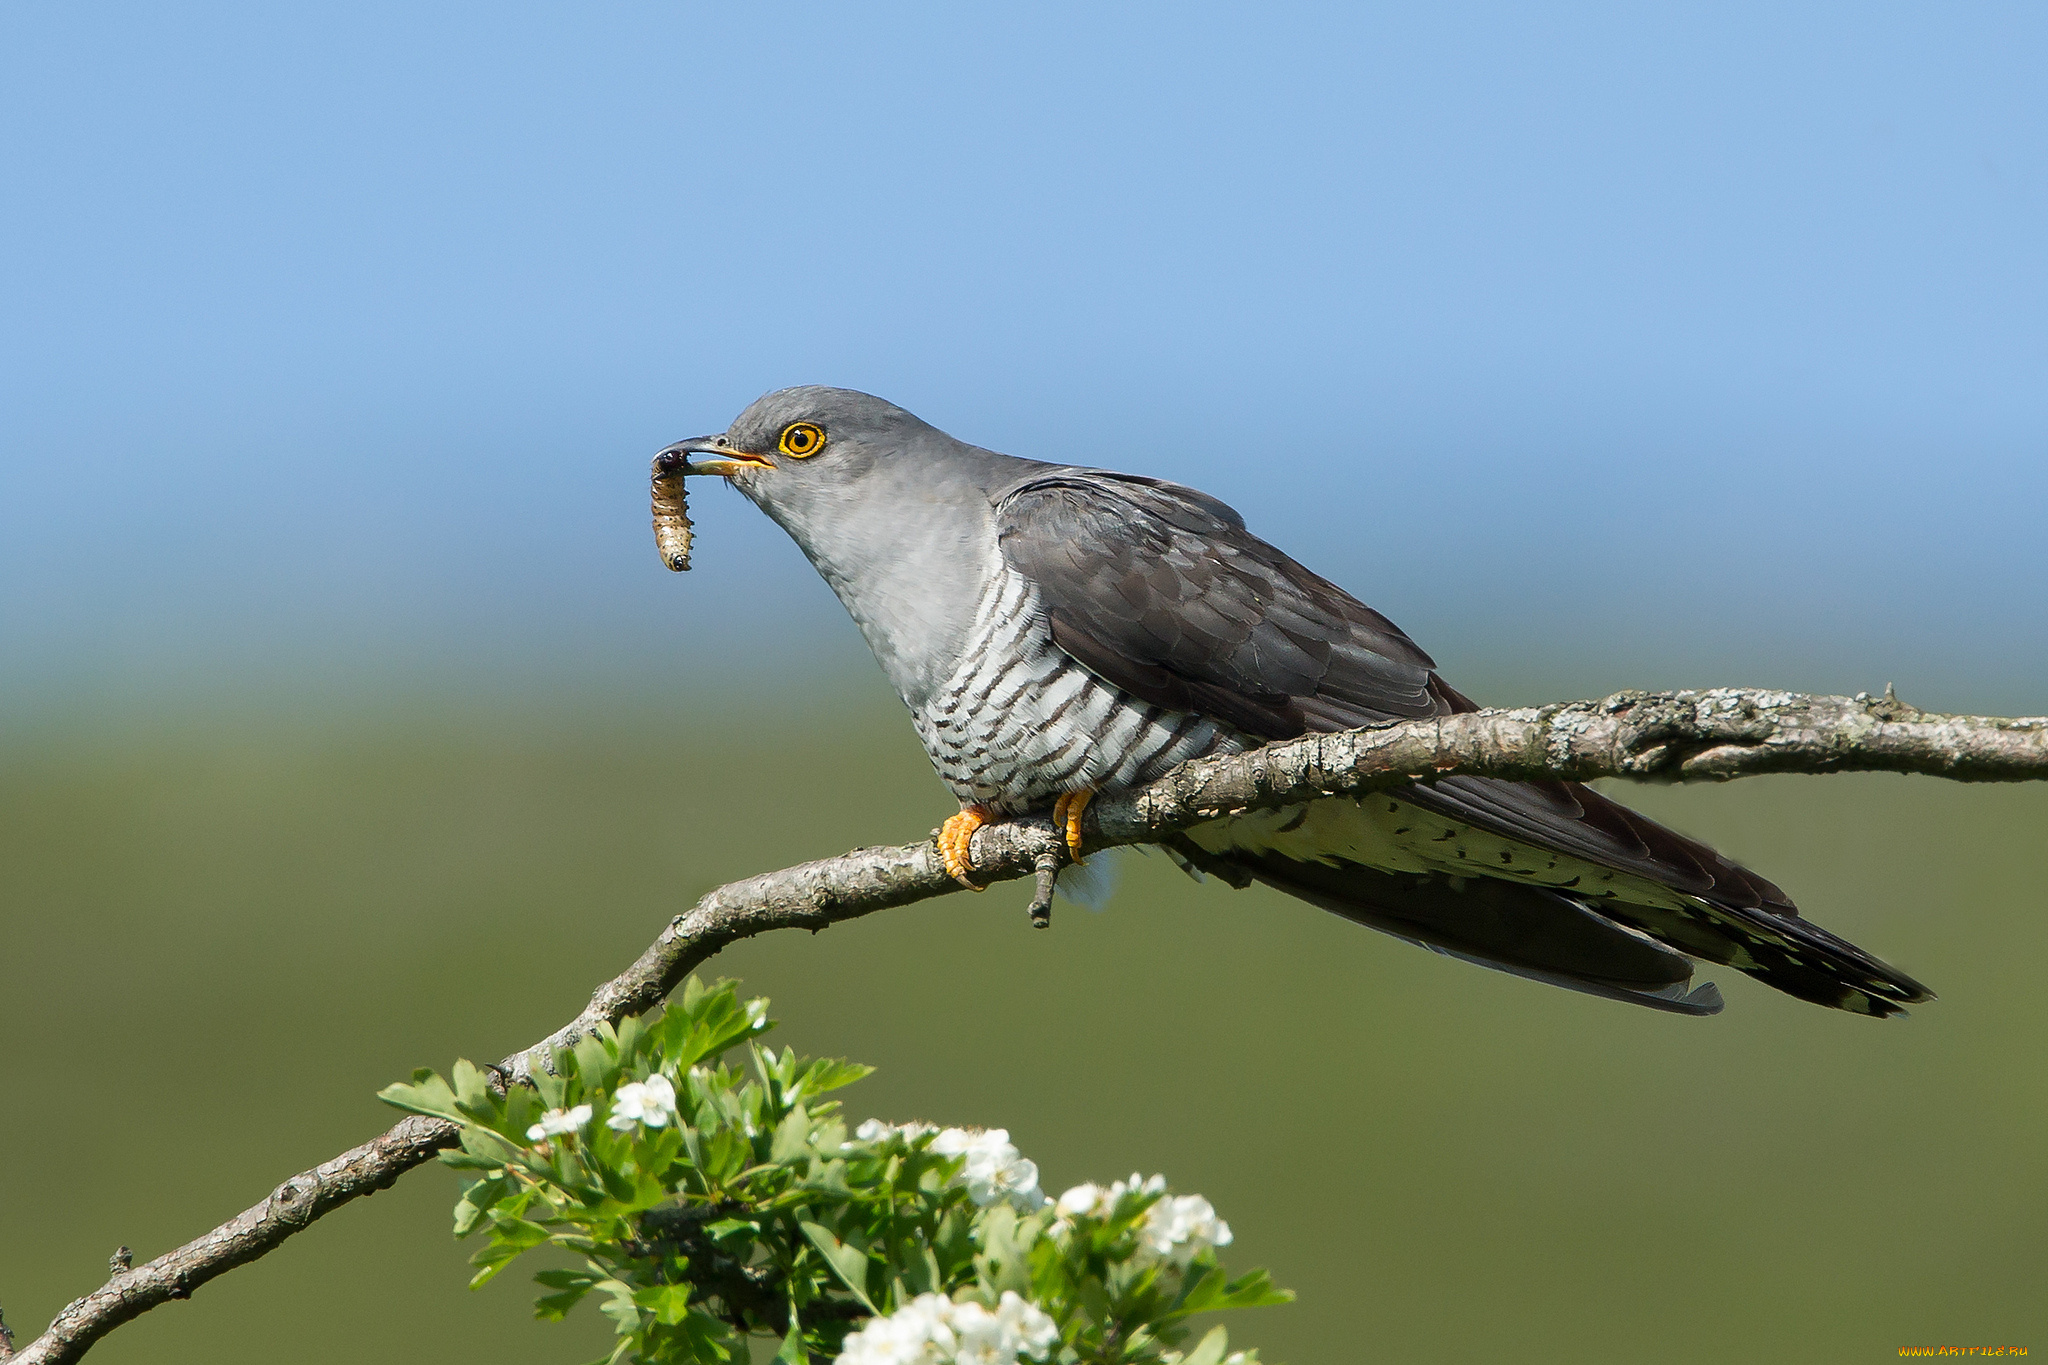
<point>223,932</point>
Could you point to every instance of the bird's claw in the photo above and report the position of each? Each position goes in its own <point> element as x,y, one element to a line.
<point>956,845</point>
<point>1066,818</point>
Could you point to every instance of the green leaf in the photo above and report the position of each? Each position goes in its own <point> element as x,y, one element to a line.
<point>472,1093</point>
<point>706,1338</point>
<point>1094,1299</point>
<point>631,1032</point>
<point>467,1216</point>
<point>468,1161</point>
<point>1210,1352</point>
<point>490,1260</point>
<point>428,1094</point>
<point>478,1200</point>
<point>717,1021</point>
<point>781,1071</point>
<point>849,1263</point>
<point>594,1063</point>
<point>551,1085</point>
<point>485,1145</point>
<point>693,1146</point>
<point>919,1269</point>
<point>572,1286</point>
<point>670,1303</point>
<point>830,1135</point>
<point>621,1188</point>
<point>619,1306</point>
<point>1255,1290</point>
<point>792,1352</point>
<point>953,1245</point>
<point>829,1179</point>
<point>555,1307</point>
<point>1005,1261</point>
<point>518,1111</point>
<point>725,1155</point>
<point>829,1073</point>
<point>731,1227</point>
<point>518,1233</point>
<point>659,1148</point>
<point>792,1136</point>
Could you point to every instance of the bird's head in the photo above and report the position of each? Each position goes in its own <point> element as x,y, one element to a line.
<point>803,446</point>
<point>859,484</point>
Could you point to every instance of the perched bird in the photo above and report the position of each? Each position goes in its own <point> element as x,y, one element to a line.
<point>1058,631</point>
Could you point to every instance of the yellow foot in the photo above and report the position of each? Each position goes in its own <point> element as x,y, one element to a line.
<point>956,839</point>
<point>1066,817</point>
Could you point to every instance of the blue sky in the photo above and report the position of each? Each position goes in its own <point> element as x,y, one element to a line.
<point>1597,345</point>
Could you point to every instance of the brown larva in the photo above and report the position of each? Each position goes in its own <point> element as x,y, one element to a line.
<point>671,518</point>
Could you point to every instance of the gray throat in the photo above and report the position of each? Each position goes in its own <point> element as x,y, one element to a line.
<point>909,551</point>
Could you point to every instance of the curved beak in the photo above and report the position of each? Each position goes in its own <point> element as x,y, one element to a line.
<point>708,455</point>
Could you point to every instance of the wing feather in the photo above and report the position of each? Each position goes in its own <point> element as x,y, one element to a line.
<point>1160,590</point>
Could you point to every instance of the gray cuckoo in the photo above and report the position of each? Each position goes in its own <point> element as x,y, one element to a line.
<point>1058,631</point>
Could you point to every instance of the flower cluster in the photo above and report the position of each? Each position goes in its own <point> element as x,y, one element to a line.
<point>995,1169</point>
<point>1181,1227</point>
<point>1099,1201</point>
<point>1176,1229</point>
<point>876,1133</point>
<point>624,1137</point>
<point>933,1330</point>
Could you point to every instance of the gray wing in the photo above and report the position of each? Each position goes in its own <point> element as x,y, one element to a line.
<point>1161,590</point>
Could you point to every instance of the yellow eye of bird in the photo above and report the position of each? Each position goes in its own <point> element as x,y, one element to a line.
<point>802,439</point>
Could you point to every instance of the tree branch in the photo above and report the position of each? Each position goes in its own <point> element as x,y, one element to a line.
<point>1665,736</point>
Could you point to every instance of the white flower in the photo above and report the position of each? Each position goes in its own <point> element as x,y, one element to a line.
<point>933,1330</point>
<point>1094,1201</point>
<point>994,1169</point>
<point>556,1122</point>
<point>1034,1332</point>
<point>915,1334</point>
<point>1182,1227</point>
<point>652,1102</point>
<point>876,1131</point>
<point>1089,1200</point>
<point>1177,1228</point>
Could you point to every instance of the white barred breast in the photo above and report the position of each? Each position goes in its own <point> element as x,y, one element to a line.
<point>1019,722</point>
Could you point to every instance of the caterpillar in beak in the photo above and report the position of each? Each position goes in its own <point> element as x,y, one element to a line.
<point>671,516</point>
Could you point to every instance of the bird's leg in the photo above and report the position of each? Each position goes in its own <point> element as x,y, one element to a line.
<point>1066,818</point>
<point>956,839</point>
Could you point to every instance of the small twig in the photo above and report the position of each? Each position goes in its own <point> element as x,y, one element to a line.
<point>1665,736</point>
<point>1046,867</point>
